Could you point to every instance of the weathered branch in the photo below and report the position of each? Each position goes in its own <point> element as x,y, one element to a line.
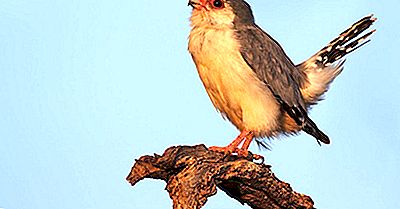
<point>193,173</point>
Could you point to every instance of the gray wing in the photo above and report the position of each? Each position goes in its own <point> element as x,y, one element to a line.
<point>272,66</point>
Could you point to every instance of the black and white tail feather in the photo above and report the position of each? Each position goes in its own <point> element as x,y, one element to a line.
<point>324,66</point>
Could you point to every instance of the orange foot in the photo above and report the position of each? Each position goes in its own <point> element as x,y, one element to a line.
<point>233,147</point>
<point>245,153</point>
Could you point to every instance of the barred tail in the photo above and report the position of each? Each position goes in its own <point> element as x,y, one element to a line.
<point>322,68</point>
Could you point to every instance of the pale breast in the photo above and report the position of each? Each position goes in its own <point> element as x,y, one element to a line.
<point>231,85</point>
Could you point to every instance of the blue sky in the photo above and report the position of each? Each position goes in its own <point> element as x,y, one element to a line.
<point>88,86</point>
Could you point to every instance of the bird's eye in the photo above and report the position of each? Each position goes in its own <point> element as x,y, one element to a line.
<point>218,4</point>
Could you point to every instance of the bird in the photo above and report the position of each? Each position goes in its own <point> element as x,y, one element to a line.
<point>250,79</point>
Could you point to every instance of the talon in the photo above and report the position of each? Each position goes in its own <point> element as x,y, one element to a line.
<point>258,157</point>
<point>233,148</point>
<point>245,154</point>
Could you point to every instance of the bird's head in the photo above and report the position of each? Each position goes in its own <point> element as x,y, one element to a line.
<point>221,12</point>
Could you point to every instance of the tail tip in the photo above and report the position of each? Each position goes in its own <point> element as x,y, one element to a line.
<point>372,17</point>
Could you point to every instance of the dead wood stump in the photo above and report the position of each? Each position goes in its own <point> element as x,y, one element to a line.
<point>192,174</point>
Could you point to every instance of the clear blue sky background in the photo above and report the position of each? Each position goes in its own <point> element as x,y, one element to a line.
<point>88,86</point>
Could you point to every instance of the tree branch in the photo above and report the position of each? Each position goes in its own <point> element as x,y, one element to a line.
<point>192,174</point>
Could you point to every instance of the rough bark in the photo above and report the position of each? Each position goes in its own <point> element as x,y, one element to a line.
<point>193,173</point>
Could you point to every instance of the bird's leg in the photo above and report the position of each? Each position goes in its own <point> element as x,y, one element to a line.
<point>246,145</point>
<point>233,146</point>
<point>244,151</point>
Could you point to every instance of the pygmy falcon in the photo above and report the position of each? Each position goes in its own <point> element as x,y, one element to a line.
<point>250,79</point>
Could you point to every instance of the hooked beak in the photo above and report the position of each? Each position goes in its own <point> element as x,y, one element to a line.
<point>194,3</point>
